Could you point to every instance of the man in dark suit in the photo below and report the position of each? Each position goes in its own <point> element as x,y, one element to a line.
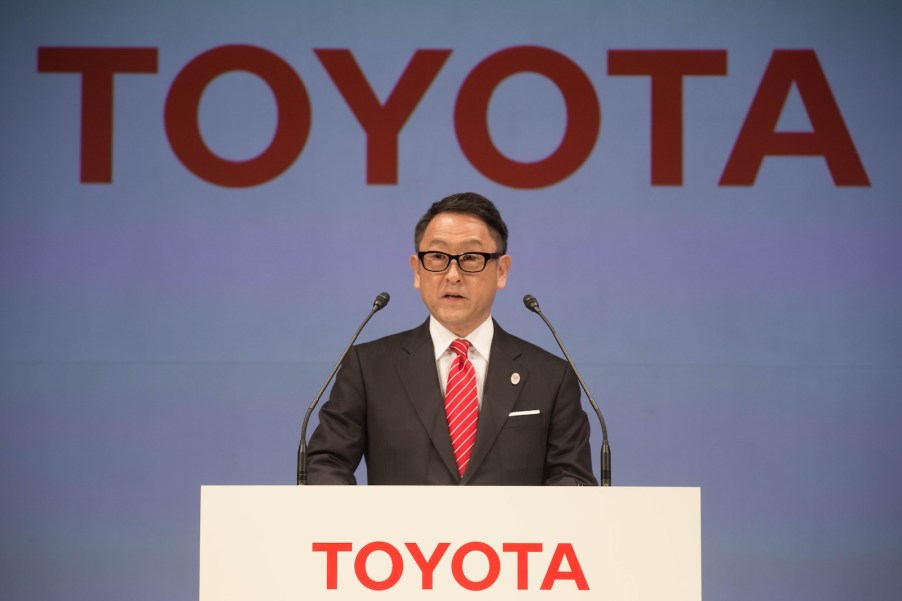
<point>456,400</point>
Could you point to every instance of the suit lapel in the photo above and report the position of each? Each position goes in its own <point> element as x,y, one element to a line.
<point>416,368</point>
<point>500,394</point>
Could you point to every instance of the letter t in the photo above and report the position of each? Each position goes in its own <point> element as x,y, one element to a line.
<point>97,67</point>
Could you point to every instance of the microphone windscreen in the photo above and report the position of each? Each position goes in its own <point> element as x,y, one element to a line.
<point>381,300</point>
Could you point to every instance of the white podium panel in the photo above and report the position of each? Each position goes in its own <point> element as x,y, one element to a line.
<point>281,543</point>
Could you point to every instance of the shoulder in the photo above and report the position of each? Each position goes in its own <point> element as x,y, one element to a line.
<point>408,340</point>
<point>519,349</point>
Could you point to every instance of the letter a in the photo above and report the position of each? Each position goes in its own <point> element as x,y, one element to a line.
<point>554,573</point>
<point>759,138</point>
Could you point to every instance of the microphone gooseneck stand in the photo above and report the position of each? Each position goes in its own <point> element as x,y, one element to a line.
<point>380,302</point>
<point>533,305</point>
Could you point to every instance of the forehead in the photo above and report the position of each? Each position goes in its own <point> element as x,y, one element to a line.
<point>449,230</point>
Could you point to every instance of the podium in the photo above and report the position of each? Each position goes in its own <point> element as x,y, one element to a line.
<point>281,543</point>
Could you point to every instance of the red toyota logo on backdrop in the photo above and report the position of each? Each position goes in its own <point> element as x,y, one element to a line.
<point>382,122</point>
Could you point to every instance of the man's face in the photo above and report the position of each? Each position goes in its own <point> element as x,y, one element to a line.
<point>459,300</point>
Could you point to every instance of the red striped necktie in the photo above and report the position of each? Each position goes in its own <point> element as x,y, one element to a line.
<point>461,406</point>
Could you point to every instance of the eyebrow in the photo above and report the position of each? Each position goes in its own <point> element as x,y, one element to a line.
<point>439,242</point>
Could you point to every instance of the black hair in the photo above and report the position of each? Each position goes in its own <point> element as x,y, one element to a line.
<point>468,203</point>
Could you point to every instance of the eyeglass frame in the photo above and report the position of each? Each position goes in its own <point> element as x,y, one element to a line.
<point>486,256</point>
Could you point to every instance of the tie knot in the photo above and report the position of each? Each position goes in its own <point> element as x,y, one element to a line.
<point>460,346</point>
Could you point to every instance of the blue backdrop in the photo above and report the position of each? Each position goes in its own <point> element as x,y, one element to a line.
<point>160,329</point>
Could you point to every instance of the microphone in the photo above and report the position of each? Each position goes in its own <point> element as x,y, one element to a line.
<point>381,300</point>
<point>533,305</point>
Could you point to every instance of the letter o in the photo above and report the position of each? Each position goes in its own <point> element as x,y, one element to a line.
<point>183,102</point>
<point>397,566</point>
<point>457,566</point>
<point>471,117</point>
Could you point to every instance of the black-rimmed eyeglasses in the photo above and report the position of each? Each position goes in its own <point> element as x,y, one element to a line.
<point>472,262</point>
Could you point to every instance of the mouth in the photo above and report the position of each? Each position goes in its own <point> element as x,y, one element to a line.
<point>450,296</point>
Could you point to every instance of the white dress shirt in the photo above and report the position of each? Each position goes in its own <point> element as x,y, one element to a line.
<point>480,347</point>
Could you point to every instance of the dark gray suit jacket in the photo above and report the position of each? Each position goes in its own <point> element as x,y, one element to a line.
<point>387,407</point>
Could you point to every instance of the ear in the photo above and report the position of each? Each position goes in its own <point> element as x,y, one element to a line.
<point>504,265</point>
<point>415,265</point>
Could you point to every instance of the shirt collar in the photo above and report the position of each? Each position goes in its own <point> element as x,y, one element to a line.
<point>480,338</point>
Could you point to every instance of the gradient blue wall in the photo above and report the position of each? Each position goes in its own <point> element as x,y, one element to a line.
<point>160,332</point>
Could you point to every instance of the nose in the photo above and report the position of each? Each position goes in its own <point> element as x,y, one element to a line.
<point>452,274</point>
